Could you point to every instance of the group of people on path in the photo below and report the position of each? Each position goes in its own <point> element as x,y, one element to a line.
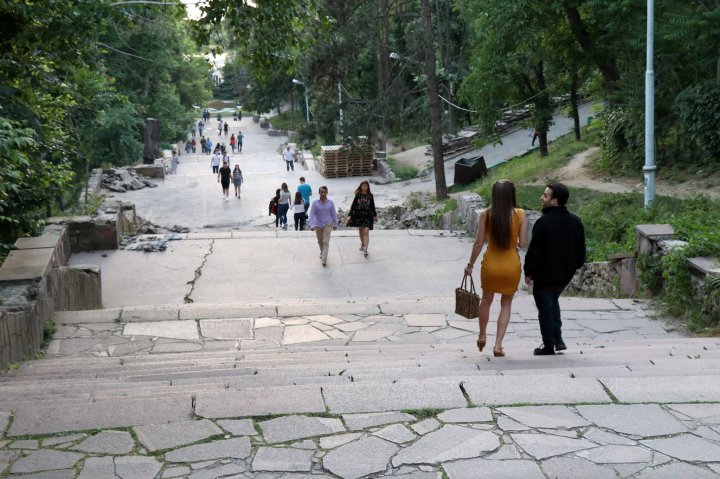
<point>321,215</point>
<point>555,252</point>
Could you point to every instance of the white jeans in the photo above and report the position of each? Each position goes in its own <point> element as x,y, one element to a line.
<point>323,239</point>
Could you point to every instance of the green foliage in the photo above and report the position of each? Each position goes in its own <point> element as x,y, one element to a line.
<point>288,120</point>
<point>29,180</point>
<point>697,108</point>
<point>77,79</point>
<point>48,331</point>
<point>402,172</point>
<point>622,137</point>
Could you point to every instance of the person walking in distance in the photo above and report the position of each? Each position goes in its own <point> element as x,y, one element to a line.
<point>237,179</point>
<point>201,127</point>
<point>174,162</point>
<point>504,227</point>
<point>239,141</point>
<point>273,206</point>
<point>535,136</point>
<point>306,192</point>
<point>362,214</point>
<point>289,156</point>
<point>215,162</point>
<point>298,209</point>
<point>226,127</point>
<point>224,179</point>
<point>283,205</point>
<point>556,251</point>
<point>323,221</point>
<point>232,142</point>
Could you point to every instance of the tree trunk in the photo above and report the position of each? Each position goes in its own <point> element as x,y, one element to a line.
<point>543,109</point>
<point>151,147</point>
<point>434,100</point>
<point>602,60</point>
<point>383,56</point>
<point>574,105</point>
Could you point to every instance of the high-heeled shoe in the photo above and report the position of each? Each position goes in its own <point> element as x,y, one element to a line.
<point>498,352</point>
<point>481,341</point>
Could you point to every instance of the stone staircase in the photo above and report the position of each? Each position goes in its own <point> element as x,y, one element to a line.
<point>403,361</point>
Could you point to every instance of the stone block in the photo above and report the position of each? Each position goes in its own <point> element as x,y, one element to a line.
<point>28,264</point>
<point>703,265</point>
<point>393,397</point>
<point>260,402</point>
<point>156,437</point>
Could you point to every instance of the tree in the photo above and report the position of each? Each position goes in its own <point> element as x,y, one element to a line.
<point>508,66</point>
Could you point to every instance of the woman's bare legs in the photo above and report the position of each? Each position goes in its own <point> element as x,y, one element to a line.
<point>362,241</point>
<point>485,302</point>
<point>365,234</point>
<point>503,321</point>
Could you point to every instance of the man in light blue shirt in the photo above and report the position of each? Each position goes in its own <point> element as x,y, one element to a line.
<point>323,220</point>
<point>306,192</point>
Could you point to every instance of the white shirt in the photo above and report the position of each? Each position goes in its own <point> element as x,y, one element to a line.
<point>216,160</point>
<point>288,154</point>
<point>299,208</point>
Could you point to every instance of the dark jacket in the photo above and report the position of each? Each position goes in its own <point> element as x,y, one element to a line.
<point>557,248</point>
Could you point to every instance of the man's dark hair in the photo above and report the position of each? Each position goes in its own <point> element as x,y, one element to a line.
<point>302,178</point>
<point>560,192</point>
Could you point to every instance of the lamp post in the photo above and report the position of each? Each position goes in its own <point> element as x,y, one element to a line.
<point>649,168</point>
<point>307,106</point>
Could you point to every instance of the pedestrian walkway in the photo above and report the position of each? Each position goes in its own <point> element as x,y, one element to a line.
<point>192,198</point>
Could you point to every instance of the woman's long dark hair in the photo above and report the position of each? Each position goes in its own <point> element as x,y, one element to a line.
<point>501,212</point>
<point>359,188</point>
<point>298,198</point>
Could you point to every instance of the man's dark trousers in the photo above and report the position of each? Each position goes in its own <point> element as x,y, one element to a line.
<point>546,300</point>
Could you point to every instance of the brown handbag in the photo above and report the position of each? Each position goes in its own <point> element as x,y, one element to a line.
<point>467,302</point>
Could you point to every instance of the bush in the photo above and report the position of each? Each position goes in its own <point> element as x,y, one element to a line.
<point>401,171</point>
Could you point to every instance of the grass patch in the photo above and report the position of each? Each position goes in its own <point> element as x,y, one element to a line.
<point>288,120</point>
<point>424,413</point>
<point>402,172</point>
<point>533,168</point>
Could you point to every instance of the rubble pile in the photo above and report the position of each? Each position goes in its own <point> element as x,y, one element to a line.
<point>148,244</point>
<point>419,211</point>
<point>121,180</point>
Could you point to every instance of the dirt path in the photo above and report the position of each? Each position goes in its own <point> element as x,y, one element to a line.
<point>577,173</point>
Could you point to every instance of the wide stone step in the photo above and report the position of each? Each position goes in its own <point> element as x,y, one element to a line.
<point>638,354</point>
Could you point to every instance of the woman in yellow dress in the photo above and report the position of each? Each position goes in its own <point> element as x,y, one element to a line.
<point>504,227</point>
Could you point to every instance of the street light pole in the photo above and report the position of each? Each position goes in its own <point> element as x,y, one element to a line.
<point>307,105</point>
<point>649,168</point>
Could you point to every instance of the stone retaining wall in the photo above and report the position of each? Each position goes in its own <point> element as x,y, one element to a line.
<point>99,232</point>
<point>34,283</point>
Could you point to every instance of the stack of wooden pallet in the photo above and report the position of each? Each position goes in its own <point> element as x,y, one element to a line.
<point>338,161</point>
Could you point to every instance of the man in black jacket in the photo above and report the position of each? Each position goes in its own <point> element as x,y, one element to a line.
<point>556,251</point>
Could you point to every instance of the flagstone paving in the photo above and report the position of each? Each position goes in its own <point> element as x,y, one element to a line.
<point>359,391</point>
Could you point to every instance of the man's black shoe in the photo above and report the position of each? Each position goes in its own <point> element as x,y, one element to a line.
<point>560,345</point>
<point>543,351</point>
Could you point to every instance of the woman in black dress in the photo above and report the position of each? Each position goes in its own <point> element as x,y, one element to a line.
<point>362,214</point>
